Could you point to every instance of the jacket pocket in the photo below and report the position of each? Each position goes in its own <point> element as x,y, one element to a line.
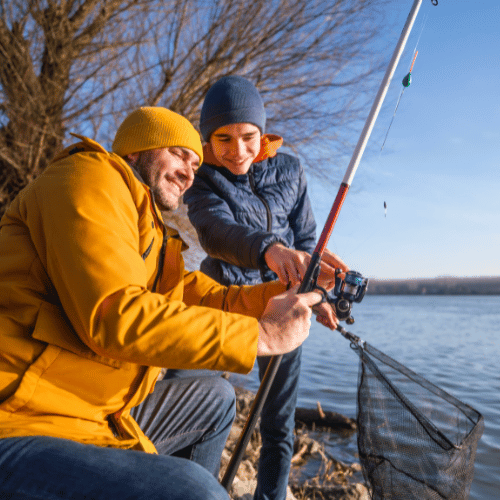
<point>29,381</point>
<point>148,250</point>
<point>54,329</point>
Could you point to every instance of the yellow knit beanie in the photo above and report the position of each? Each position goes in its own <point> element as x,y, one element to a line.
<point>154,128</point>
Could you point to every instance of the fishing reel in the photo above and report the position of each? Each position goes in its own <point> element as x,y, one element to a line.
<point>345,292</point>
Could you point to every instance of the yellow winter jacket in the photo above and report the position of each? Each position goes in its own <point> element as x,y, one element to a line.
<point>83,335</point>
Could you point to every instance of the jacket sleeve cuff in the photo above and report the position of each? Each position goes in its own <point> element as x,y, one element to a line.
<point>240,347</point>
<point>264,245</point>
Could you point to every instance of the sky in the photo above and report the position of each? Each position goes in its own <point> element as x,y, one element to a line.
<point>439,170</point>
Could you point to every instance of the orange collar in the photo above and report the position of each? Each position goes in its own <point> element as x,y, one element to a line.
<point>269,145</point>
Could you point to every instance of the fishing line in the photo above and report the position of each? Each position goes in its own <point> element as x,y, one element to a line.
<point>406,83</point>
<point>406,80</point>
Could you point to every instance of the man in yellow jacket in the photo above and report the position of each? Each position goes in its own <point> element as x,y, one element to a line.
<point>94,301</point>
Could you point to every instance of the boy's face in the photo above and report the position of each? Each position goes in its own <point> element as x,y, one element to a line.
<point>236,146</point>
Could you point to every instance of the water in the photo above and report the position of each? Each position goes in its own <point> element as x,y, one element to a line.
<point>453,341</point>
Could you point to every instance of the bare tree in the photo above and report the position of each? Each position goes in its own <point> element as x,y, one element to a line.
<point>82,65</point>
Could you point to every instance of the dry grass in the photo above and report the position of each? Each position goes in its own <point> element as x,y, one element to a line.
<point>333,479</point>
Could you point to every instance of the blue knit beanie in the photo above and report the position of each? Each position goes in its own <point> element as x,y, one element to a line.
<point>231,99</point>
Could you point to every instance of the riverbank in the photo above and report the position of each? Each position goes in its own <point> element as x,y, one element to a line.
<point>315,474</point>
<point>442,285</point>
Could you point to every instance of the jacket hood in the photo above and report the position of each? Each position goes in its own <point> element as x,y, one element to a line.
<point>269,145</point>
<point>86,144</point>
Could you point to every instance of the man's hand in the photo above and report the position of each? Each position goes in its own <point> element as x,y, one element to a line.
<point>291,265</point>
<point>286,322</point>
<point>325,315</point>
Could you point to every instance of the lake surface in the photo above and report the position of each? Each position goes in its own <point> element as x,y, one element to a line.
<point>453,341</point>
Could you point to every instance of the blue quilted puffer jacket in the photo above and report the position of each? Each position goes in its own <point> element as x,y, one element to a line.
<point>238,216</point>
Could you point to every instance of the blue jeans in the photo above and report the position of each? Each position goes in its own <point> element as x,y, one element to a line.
<point>276,427</point>
<point>189,419</point>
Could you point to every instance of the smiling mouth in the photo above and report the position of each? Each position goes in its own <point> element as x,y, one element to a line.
<point>237,162</point>
<point>175,182</point>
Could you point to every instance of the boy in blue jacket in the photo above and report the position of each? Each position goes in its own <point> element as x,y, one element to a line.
<point>250,208</point>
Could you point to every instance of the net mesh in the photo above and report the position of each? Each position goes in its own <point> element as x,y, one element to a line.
<point>415,441</point>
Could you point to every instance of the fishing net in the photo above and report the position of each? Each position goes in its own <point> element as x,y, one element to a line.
<point>415,441</point>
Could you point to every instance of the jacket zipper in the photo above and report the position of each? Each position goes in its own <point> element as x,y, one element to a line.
<point>114,419</point>
<point>268,210</point>
<point>163,244</point>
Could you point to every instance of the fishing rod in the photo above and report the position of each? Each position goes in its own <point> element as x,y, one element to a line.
<point>309,281</point>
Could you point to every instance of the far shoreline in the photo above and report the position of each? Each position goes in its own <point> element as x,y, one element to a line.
<point>441,285</point>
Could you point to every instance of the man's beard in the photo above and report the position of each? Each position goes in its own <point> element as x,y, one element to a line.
<point>165,201</point>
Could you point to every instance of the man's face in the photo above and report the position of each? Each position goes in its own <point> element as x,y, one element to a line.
<point>169,172</point>
<point>236,146</point>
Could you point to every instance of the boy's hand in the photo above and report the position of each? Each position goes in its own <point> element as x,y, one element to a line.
<point>290,265</point>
